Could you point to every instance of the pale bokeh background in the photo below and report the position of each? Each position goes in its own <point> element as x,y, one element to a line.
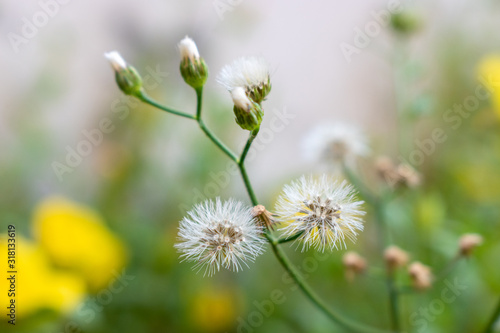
<point>145,173</point>
<point>311,78</point>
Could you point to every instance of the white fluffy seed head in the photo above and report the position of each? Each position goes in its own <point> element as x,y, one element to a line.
<point>188,49</point>
<point>240,98</point>
<point>116,61</point>
<point>324,211</point>
<point>247,72</point>
<point>220,235</point>
<point>334,144</point>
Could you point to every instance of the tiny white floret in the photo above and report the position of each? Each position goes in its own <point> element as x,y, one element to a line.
<point>240,98</point>
<point>188,49</point>
<point>116,60</point>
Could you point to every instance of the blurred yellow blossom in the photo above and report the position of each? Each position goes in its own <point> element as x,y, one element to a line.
<point>37,284</point>
<point>214,311</point>
<point>489,71</point>
<point>76,237</point>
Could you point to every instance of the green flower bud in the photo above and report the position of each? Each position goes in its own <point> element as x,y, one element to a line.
<point>248,113</point>
<point>194,70</point>
<point>128,79</point>
<point>405,22</point>
<point>259,93</point>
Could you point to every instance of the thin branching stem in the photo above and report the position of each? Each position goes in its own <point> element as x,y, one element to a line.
<point>280,255</point>
<point>148,100</point>
<point>243,171</point>
<point>204,128</point>
<point>494,318</point>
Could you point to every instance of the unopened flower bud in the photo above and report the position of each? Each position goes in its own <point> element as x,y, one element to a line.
<point>194,70</point>
<point>405,22</point>
<point>395,257</point>
<point>354,264</point>
<point>264,217</point>
<point>468,243</point>
<point>421,276</point>
<point>248,113</point>
<point>128,79</point>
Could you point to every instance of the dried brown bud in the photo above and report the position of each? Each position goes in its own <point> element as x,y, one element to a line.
<point>421,275</point>
<point>397,175</point>
<point>395,257</point>
<point>264,217</point>
<point>387,170</point>
<point>468,243</point>
<point>354,264</point>
<point>408,176</point>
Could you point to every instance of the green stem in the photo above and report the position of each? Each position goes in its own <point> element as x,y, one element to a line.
<point>216,140</point>
<point>211,136</point>
<point>282,258</point>
<point>148,100</point>
<point>393,301</point>
<point>289,239</point>
<point>253,135</point>
<point>199,98</point>
<point>243,171</point>
<point>294,274</point>
<point>494,318</point>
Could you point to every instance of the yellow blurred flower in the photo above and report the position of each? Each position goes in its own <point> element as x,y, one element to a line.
<point>75,237</point>
<point>214,310</point>
<point>430,211</point>
<point>481,182</point>
<point>489,70</point>
<point>37,284</point>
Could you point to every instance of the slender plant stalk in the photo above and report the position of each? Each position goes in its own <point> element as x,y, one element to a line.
<point>204,128</point>
<point>294,274</point>
<point>243,171</point>
<point>393,300</point>
<point>494,318</point>
<point>148,100</point>
<point>289,239</point>
<point>280,255</point>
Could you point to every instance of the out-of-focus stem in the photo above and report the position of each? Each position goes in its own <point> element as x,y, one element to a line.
<point>494,318</point>
<point>393,300</point>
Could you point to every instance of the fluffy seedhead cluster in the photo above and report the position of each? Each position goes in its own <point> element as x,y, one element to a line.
<point>220,235</point>
<point>324,211</point>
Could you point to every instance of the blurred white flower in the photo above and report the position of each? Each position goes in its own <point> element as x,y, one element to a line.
<point>188,49</point>
<point>250,73</point>
<point>219,235</point>
<point>116,61</point>
<point>335,144</point>
<point>325,211</point>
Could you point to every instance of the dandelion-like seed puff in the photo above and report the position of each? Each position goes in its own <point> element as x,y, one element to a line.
<point>335,143</point>
<point>220,234</point>
<point>323,211</point>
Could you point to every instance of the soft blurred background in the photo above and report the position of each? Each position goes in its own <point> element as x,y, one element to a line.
<point>95,236</point>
